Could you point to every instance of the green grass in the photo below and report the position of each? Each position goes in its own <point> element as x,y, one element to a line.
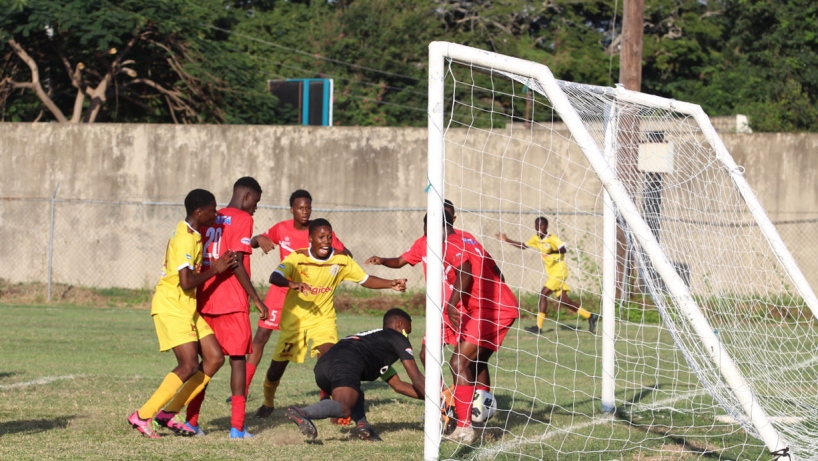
<point>70,375</point>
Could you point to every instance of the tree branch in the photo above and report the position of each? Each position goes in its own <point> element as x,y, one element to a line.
<point>35,82</point>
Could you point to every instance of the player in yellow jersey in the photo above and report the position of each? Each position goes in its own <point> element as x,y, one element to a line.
<point>312,275</point>
<point>178,324</point>
<point>553,251</point>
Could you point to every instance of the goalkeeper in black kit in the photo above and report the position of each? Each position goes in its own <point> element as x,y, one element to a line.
<point>364,356</point>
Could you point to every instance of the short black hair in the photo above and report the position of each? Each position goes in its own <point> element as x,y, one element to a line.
<point>248,183</point>
<point>198,198</point>
<point>316,223</point>
<point>541,218</point>
<point>448,203</point>
<point>447,218</point>
<point>300,193</point>
<point>395,314</point>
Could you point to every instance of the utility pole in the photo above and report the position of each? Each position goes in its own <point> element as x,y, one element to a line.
<point>630,55</point>
<point>630,76</point>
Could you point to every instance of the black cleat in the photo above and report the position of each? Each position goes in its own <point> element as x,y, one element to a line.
<point>367,432</point>
<point>304,423</point>
<point>264,412</point>
<point>534,329</point>
<point>592,323</point>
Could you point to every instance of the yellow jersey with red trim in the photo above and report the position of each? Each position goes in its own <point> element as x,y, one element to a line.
<point>184,250</point>
<point>323,276</point>
<point>548,247</point>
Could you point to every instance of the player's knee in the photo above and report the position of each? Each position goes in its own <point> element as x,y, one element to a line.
<point>212,362</point>
<point>186,370</point>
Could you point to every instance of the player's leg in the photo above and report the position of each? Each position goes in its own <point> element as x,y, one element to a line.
<point>274,301</point>
<point>462,364</point>
<point>174,334</point>
<point>291,347</point>
<point>542,310</point>
<point>565,300</point>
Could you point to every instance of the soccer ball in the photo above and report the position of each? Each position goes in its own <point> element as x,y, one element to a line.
<point>483,406</point>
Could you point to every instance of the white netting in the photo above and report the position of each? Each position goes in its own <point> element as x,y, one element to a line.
<point>508,159</point>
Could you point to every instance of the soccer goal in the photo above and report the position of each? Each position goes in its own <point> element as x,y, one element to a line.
<point>707,347</point>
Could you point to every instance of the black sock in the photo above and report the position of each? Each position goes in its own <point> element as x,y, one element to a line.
<point>324,409</point>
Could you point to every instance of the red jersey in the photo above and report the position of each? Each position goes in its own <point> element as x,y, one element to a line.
<point>489,297</point>
<point>223,294</point>
<point>288,238</point>
<point>453,248</point>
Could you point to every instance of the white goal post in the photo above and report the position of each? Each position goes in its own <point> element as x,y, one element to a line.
<point>663,208</point>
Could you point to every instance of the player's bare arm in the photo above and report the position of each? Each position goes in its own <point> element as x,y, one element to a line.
<point>504,238</point>
<point>263,242</point>
<point>403,388</point>
<point>244,281</point>
<point>377,283</point>
<point>189,279</point>
<point>418,381</point>
<point>462,283</point>
<point>392,263</point>
<point>277,279</point>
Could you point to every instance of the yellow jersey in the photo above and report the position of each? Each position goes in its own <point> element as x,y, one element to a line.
<point>184,250</point>
<point>548,247</point>
<point>323,276</point>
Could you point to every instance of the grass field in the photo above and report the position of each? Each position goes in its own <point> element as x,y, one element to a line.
<point>70,375</point>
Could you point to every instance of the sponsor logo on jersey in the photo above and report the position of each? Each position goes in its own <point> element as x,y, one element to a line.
<point>245,240</point>
<point>304,273</point>
<point>320,290</point>
<point>469,241</point>
<point>409,350</point>
<point>187,256</point>
<point>227,220</point>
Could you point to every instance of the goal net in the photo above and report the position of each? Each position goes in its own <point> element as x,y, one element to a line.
<point>706,346</point>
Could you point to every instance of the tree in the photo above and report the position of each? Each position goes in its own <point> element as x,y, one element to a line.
<point>125,61</point>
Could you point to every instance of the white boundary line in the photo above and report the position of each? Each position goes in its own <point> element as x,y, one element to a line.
<point>38,381</point>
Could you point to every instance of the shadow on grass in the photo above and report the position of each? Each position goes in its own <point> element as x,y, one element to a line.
<point>9,374</point>
<point>34,426</point>
<point>624,416</point>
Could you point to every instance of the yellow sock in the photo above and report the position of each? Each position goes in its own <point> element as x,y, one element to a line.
<point>191,389</point>
<point>583,313</point>
<point>270,392</point>
<point>540,319</point>
<point>161,396</point>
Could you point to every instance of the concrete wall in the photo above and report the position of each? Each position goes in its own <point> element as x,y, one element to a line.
<point>101,243</point>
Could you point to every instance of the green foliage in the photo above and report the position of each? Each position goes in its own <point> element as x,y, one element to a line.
<point>731,56</point>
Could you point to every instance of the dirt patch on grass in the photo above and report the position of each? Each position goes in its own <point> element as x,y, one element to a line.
<point>37,293</point>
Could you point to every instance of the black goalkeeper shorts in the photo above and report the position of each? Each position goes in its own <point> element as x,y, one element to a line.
<point>331,374</point>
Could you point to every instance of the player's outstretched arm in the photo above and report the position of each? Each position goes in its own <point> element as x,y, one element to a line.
<point>377,283</point>
<point>278,279</point>
<point>244,281</point>
<point>504,238</point>
<point>189,279</point>
<point>418,381</point>
<point>263,242</point>
<point>403,388</point>
<point>392,263</point>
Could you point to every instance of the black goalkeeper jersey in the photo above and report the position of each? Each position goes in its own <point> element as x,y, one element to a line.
<point>373,352</point>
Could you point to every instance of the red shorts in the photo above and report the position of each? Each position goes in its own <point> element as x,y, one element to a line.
<point>275,303</point>
<point>488,334</point>
<point>232,331</point>
<point>449,335</point>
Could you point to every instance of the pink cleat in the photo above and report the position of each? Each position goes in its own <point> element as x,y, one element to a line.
<point>174,422</point>
<point>146,427</point>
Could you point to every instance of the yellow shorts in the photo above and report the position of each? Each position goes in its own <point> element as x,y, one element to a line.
<point>557,275</point>
<point>175,330</point>
<point>293,344</point>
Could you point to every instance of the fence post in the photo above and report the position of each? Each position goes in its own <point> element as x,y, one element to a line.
<point>51,241</point>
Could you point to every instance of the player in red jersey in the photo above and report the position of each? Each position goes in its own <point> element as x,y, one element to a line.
<point>289,235</point>
<point>223,300</point>
<point>480,310</point>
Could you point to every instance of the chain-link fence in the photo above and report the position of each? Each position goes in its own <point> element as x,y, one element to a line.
<point>104,244</point>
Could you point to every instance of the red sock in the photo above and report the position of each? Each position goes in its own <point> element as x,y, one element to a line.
<point>463,396</point>
<point>192,415</point>
<point>250,370</point>
<point>481,387</point>
<point>237,403</point>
